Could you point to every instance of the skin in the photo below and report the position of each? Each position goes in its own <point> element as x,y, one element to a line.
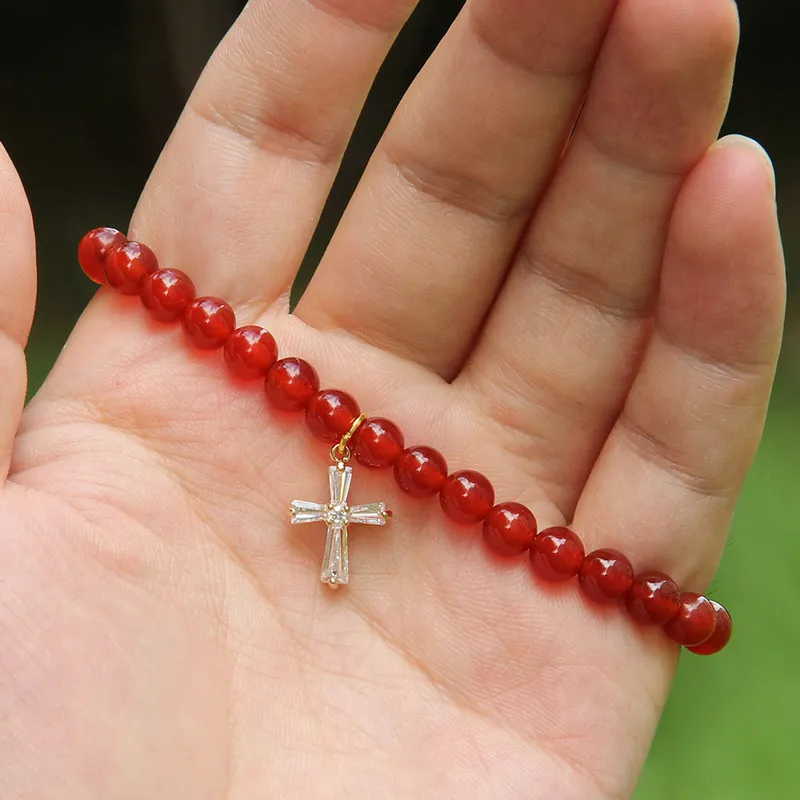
<point>595,328</point>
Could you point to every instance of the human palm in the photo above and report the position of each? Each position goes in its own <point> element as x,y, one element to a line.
<point>593,328</point>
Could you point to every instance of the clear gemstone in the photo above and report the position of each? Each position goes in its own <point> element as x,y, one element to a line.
<point>335,566</point>
<point>338,515</point>
<point>302,511</point>
<point>369,514</point>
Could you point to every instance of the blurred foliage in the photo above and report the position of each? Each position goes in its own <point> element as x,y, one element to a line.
<point>89,90</point>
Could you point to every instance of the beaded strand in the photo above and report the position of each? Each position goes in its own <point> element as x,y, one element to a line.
<point>467,497</point>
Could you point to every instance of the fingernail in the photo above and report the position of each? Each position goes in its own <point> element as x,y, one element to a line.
<point>745,141</point>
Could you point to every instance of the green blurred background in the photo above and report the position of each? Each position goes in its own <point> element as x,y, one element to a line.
<point>90,90</point>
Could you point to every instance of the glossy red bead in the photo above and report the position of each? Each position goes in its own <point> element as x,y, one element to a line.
<point>166,293</point>
<point>250,352</point>
<point>606,576</point>
<point>557,554</point>
<point>208,322</point>
<point>94,247</point>
<point>721,636</point>
<point>466,497</point>
<point>291,383</point>
<point>377,443</point>
<point>509,529</point>
<point>330,414</point>
<point>654,598</point>
<point>127,265</point>
<point>694,622</point>
<point>420,471</point>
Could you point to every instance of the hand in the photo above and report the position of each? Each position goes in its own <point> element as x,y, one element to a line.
<point>595,331</point>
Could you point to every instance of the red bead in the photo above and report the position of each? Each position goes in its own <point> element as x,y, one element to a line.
<point>721,636</point>
<point>166,293</point>
<point>695,621</point>
<point>557,554</point>
<point>330,414</point>
<point>94,247</point>
<point>291,383</point>
<point>377,443</point>
<point>509,529</point>
<point>466,497</point>
<point>654,598</point>
<point>127,265</point>
<point>420,471</point>
<point>250,352</point>
<point>606,576</point>
<point>208,322</point>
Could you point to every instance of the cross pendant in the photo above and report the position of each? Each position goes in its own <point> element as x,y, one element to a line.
<point>338,516</point>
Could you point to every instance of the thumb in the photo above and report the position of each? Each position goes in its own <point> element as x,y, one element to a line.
<point>17,300</point>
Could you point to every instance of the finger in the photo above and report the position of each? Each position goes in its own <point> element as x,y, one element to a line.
<point>427,237</point>
<point>667,480</point>
<point>560,348</point>
<point>17,298</point>
<point>237,192</point>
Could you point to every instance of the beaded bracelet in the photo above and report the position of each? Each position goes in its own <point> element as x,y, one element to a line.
<point>557,554</point>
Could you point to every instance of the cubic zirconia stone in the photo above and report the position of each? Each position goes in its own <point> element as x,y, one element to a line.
<point>338,515</point>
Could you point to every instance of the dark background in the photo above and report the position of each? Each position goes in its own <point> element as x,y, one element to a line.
<point>89,91</point>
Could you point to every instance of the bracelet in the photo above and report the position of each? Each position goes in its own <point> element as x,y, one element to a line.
<point>557,554</point>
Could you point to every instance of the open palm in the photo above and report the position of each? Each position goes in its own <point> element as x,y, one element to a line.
<point>593,327</point>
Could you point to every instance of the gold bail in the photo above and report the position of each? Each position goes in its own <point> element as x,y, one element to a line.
<point>341,452</point>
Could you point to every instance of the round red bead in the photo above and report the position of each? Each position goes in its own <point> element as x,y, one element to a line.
<point>654,598</point>
<point>420,471</point>
<point>721,636</point>
<point>94,247</point>
<point>166,293</point>
<point>509,529</point>
<point>208,322</point>
<point>466,496</point>
<point>127,265</point>
<point>557,554</point>
<point>377,443</point>
<point>606,576</point>
<point>695,621</point>
<point>330,414</point>
<point>291,383</point>
<point>250,352</point>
